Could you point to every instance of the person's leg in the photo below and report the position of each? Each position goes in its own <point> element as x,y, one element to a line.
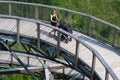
<point>54,31</point>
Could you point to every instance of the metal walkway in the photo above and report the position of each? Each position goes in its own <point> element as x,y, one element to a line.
<point>110,55</point>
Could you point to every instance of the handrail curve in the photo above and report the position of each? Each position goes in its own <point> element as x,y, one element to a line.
<point>47,6</point>
<point>114,30</point>
<point>71,35</point>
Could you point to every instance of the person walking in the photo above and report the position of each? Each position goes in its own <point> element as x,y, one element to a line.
<point>53,19</point>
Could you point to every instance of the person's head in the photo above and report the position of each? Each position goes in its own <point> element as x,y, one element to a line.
<point>54,12</point>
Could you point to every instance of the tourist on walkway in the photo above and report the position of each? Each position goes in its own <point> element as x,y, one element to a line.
<point>54,19</point>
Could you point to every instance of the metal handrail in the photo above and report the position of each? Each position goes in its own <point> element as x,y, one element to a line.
<point>108,69</point>
<point>116,29</point>
<point>47,6</point>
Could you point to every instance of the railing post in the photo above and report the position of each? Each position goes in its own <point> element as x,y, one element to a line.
<point>76,53</point>
<point>58,45</point>
<point>28,62</point>
<point>114,38</point>
<point>106,75</point>
<point>63,71</point>
<point>64,74</point>
<point>83,77</point>
<point>10,8</point>
<point>93,66</point>
<point>18,31</point>
<point>38,35</point>
<point>44,62</point>
<point>11,63</point>
<point>63,15</point>
<point>36,13</point>
<point>89,25</point>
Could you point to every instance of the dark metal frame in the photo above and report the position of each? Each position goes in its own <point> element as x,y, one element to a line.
<point>83,68</point>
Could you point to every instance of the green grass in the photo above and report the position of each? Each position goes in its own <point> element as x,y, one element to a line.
<point>16,77</point>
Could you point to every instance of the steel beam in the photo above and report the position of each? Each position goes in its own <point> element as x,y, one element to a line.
<point>106,75</point>
<point>93,67</point>
<point>17,58</point>
<point>58,45</point>
<point>114,37</point>
<point>36,12</point>
<point>18,31</point>
<point>10,8</point>
<point>38,36</point>
<point>32,69</point>
<point>89,25</point>
<point>77,53</point>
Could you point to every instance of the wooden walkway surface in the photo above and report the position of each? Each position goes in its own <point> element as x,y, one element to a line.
<point>110,55</point>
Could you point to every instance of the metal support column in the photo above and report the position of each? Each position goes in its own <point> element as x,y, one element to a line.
<point>10,8</point>
<point>58,45</point>
<point>76,53</point>
<point>106,75</point>
<point>28,63</point>
<point>64,74</point>
<point>36,13</point>
<point>38,35</point>
<point>83,77</point>
<point>114,38</point>
<point>93,67</point>
<point>89,26</point>
<point>18,31</point>
<point>63,15</point>
<point>11,63</point>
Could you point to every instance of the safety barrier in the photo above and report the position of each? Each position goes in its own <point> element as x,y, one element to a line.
<point>87,24</point>
<point>95,54</point>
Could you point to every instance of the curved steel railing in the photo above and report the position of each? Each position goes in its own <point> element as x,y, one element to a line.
<point>91,23</point>
<point>78,41</point>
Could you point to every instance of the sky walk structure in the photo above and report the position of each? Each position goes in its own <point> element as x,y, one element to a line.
<point>82,58</point>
